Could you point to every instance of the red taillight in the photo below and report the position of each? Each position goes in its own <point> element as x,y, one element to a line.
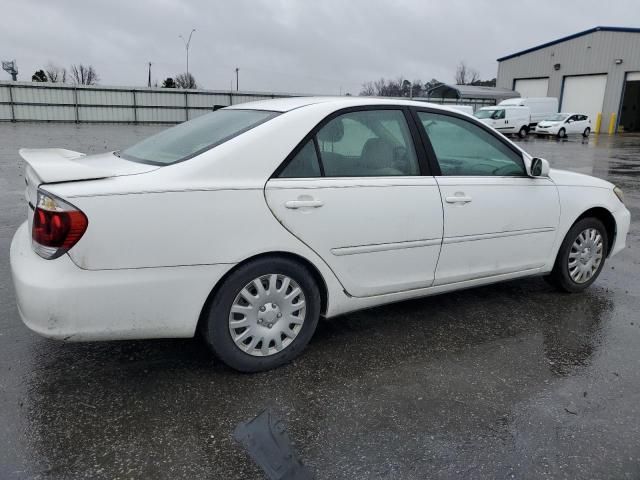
<point>57,226</point>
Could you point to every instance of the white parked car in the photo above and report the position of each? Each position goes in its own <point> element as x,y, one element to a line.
<point>506,119</point>
<point>251,222</point>
<point>563,124</point>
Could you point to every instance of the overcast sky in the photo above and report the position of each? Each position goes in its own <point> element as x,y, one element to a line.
<point>319,46</point>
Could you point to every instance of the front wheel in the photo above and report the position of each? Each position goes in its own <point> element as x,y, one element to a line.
<point>263,315</point>
<point>586,132</point>
<point>562,133</point>
<point>581,256</point>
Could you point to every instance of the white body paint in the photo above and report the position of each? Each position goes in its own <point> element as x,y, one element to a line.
<point>161,238</point>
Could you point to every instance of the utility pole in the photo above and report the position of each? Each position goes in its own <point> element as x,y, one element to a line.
<point>237,82</point>
<point>149,81</point>
<point>187,43</point>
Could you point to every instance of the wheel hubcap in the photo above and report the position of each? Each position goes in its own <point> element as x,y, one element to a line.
<point>586,255</point>
<point>267,315</point>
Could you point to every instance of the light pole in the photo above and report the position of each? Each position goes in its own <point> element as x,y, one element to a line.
<point>237,70</point>
<point>186,47</point>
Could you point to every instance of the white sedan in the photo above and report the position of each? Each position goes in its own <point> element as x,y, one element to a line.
<point>563,124</point>
<point>249,223</point>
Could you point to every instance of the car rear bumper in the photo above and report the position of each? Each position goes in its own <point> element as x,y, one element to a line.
<point>623,221</point>
<point>57,299</point>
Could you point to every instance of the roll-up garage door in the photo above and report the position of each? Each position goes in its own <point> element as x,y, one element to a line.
<point>584,94</point>
<point>630,108</point>
<point>532,87</point>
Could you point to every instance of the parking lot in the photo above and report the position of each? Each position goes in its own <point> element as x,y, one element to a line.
<point>506,381</point>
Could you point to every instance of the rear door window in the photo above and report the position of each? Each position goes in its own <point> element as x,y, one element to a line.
<point>304,164</point>
<point>367,143</point>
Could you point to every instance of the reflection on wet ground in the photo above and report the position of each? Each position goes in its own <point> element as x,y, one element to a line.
<point>514,379</point>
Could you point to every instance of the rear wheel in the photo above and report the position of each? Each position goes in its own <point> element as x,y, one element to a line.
<point>586,132</point>
<point>581,256</point>
<point>562,133</point>
<point>523,132</point>
<point>263,315</point>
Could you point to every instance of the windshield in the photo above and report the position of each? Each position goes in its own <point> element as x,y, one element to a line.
<point>191,138</point>
<point>558,117</point>
<point>498,113</point>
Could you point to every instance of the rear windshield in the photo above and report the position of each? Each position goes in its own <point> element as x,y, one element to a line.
<point>191,138</point>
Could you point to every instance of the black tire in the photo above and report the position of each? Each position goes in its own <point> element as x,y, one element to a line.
<point>215,327</point>
<point>560,277</point>
<point>586,132</point>
<point>562,133</point>
<point>523,132</point>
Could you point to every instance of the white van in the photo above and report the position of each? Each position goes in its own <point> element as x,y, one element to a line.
<point>540,107</point>
<point>468,109</point>
<point>506,119</point>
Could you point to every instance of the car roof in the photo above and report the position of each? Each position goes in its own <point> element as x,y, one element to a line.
<point>292,103</point>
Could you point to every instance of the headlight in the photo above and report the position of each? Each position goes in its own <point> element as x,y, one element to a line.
<point>619,194</point>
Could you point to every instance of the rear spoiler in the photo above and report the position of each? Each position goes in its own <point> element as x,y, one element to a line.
<point>53,165</point>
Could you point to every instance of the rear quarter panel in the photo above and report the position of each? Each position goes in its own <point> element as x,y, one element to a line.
<point>178,228</point>
<point>171,229</point>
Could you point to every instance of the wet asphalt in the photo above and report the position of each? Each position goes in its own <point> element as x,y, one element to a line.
<point>507,381</point>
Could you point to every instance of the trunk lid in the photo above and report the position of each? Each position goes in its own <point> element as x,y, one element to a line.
<point>55,165</point>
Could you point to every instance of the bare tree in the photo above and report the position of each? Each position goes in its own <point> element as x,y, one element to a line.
<point>466,75</point>
<point>84,75</point>
<point>185,80</point>
<point>56,74</point>
<point>368,90</point>
<point>417,88</point>
<point>169,83</point>
<point>461,74</point>
<point>380,86</point>
<point>400,87</point>
<point>39,76</point>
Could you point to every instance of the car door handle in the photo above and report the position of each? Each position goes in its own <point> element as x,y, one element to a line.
<point>458,199</point>
<point>293,204</point>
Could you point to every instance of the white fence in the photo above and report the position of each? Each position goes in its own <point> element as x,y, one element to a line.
<point>54,102</point>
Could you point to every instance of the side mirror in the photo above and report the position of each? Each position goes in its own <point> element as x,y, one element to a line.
<point>539,167</point>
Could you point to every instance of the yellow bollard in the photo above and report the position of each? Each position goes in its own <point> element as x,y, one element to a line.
<point>596,129</point>
<point>612,123</point>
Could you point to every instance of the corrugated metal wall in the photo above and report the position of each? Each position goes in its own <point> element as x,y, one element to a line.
<point>594,53</point>
<point>25,101</point>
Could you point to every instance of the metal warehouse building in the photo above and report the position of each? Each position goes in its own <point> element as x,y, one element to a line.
<point>596,72</point>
